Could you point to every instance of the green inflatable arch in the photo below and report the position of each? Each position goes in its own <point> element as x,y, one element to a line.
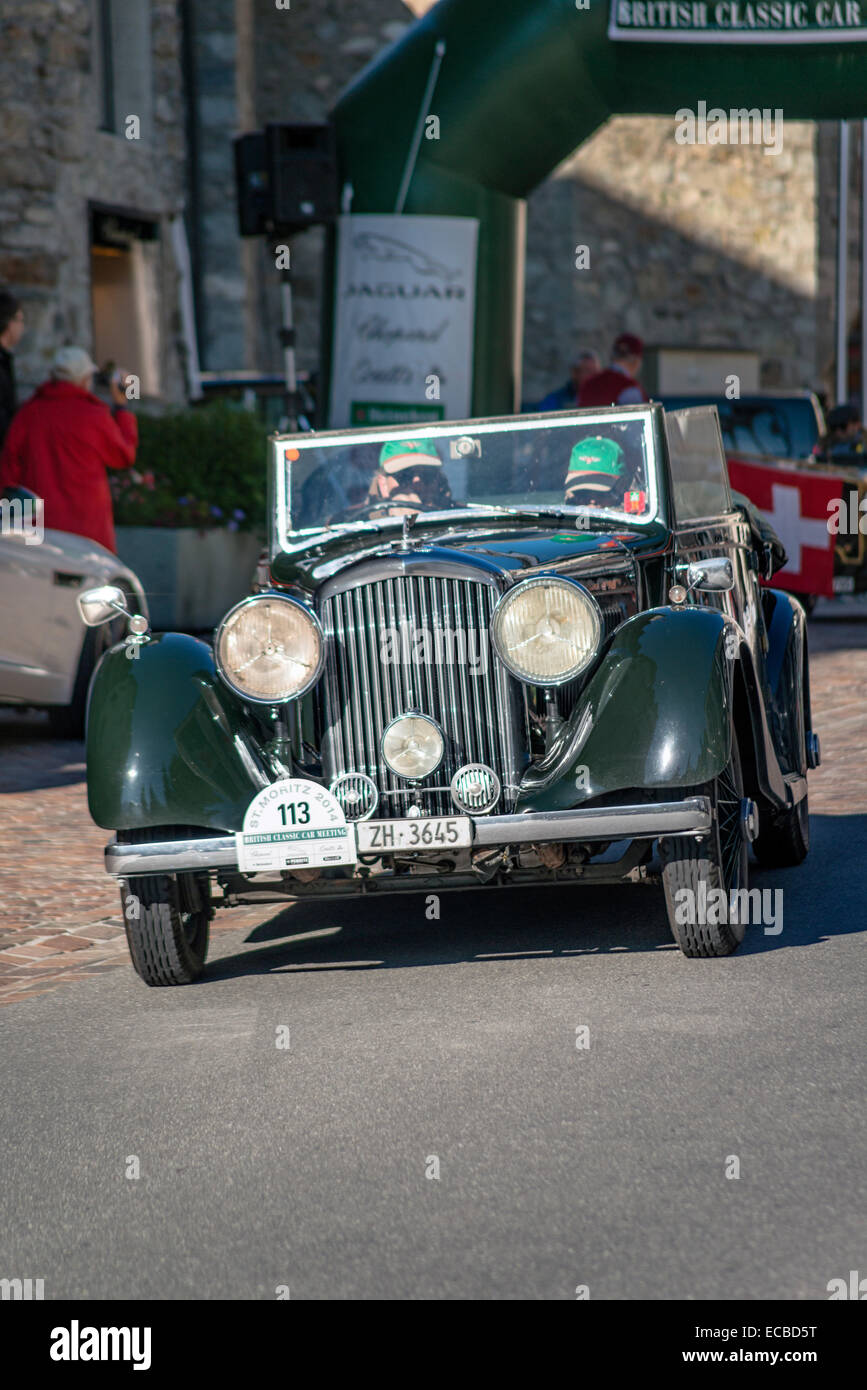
<point>524,82</point>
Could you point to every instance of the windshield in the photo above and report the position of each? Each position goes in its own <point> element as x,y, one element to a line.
<point>600,463</point>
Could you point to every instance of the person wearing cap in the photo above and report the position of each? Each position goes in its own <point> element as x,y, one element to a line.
<point>61,442</point>
<point>585,365</point>
<point>618,384</point>
<point>409,478</point>
<point>596,473</point>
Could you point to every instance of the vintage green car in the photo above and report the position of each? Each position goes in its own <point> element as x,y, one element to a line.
<point>518,651</point>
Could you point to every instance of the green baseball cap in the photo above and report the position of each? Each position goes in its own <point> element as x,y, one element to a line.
<point>597,455</point>
<point>404,453</point>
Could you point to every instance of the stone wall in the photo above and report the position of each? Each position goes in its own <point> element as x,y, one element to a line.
<point>689,246</point>
<point>218,36</point>
<point>55,161</point>
<point>303,59</point>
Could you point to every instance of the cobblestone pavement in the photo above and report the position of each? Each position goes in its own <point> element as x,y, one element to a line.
<point>60,918</point>
<point>60,913</point>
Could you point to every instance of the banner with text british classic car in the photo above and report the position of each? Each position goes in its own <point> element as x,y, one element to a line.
<point>404,319</point>
<point>739,21</point>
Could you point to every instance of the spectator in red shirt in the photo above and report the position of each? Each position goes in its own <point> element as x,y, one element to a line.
<point>61,442</point>
<point>618,384</point>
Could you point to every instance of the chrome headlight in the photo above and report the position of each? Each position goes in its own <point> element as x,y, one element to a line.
<point>269,648</point>
<point>546,630</point>
<point>413,746</point>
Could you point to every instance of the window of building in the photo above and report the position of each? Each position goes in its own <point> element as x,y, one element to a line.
<point>124,50</point>
<point>124,270</point>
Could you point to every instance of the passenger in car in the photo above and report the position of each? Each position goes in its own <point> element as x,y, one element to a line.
<point>596,473</point>
<point>410,477</point>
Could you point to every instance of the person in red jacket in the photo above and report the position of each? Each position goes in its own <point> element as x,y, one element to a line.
<point>61,442</point>
<point>618,384</point>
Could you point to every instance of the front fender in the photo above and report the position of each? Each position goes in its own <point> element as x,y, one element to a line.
<point>166,743</point>
<point>656,714</point>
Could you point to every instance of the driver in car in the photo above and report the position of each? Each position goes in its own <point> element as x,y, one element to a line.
<point>596,473</point>
<point>409,478</point>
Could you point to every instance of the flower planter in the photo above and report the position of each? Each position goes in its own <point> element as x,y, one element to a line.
<point>190,577</point>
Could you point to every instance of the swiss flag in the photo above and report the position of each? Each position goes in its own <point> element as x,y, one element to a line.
<point>795,502</point>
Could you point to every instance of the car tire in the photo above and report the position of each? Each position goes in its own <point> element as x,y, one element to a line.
<point>167,919</point>
<point>67,721</point>
<point>784,840</point>
<point>719,861</point>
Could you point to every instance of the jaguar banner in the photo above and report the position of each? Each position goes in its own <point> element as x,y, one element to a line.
<point>405,315</point>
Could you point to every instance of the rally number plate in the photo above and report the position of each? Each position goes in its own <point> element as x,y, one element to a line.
<point>420,833</point>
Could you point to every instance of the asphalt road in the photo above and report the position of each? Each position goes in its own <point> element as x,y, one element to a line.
<point>263,1166</point>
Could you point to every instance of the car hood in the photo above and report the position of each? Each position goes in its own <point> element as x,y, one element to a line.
<point>507,547</point>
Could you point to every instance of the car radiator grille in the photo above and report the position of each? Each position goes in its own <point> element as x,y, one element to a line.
<point>371,677</point>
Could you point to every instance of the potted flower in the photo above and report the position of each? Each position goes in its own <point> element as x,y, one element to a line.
<point>188,515</point>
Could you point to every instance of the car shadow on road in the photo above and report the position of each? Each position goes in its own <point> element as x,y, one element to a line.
<point>397,932</point>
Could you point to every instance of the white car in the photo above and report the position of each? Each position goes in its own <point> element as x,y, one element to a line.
<point>47,655</point>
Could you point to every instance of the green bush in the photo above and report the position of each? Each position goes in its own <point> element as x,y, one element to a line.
<point>204,467</point>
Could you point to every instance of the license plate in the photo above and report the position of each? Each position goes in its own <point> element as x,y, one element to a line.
<point>418,833</point>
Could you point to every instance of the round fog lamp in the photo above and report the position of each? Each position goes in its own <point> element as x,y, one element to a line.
<point>475,788</point>
<point>413,746</point>
<point>356,794</point>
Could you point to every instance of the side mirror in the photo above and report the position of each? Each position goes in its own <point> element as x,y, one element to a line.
<point>97,606</point>
<point>715,575</point>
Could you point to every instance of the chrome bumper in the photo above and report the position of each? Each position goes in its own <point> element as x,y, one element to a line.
<point>689,817</point>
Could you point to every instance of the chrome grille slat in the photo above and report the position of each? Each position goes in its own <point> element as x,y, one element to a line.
<point>355,598</point>
<point>460,625</point>
<point>353,653</point>
<point>482,715</point>
<point>377,702</point>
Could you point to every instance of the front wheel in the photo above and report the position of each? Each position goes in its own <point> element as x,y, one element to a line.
<point>167,920</point>
<point>167,917</point>
<point>701,877</point>
<point>784,837</point>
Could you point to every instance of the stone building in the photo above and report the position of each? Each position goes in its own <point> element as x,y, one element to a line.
<point>93,183</point>
<point>121,233</point>
<point>691,247</point>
